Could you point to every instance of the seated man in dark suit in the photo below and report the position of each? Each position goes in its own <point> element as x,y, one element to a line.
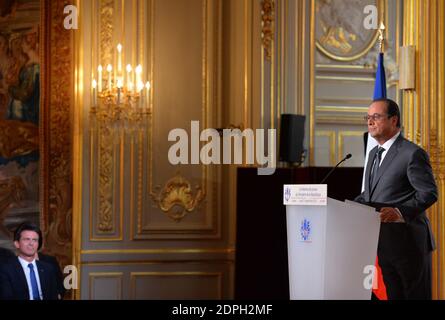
<point>24,277</point>
<point>53,262</point>
<point>5,254</point>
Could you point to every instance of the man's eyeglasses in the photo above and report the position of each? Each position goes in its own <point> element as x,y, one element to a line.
<point>375,117</point>
<point>35,240</point>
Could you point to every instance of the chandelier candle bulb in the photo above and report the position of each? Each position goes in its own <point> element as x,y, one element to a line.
<point>141,101</point>
<point>137,81</point>
<point>119,89</point>
<point>119,60</point>
<point>119,83</point>
<point>147,94</point>
<point>130,88</point>
<point>140,89</point>
<point>109,69</point>
<point>99,78</point>
<point>129,69</point>
<point>94,84</point>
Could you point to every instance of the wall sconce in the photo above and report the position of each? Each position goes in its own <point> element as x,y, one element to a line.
<point>120,100</point>
<point>407,68</point>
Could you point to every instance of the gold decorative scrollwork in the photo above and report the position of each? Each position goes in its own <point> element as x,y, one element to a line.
<point>267,26</point>
<point>105,212</point>
<point>434,152</point>
<point>441,165</point>
<point>105,188</point>
<point>176,198</point>
<point>57,148</point>
<point>106,30</point>
<point>437,156</point>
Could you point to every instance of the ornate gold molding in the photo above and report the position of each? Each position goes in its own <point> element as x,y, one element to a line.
<point>162,251</point>
<point>267,26</point>
<point>119,276</point>
<point>176,198</point>
<point>342,143</point>
<point>330,134</point>
<point>56,156</point>
<point>424,112</point>
<point>106,30</point>
<point>177,274</point>
<point>148,226</point>
<point>105,221</point>
<point>105,163</point>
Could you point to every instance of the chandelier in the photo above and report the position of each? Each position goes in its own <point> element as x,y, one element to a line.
<point>120,100</point>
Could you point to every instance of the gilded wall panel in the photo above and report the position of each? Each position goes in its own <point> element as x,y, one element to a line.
<point>160,279</point>
<point>105,285</point>
<point>326,148</point>
<point>179,201</point>
<point>423,118</point>
<point>193,285</point>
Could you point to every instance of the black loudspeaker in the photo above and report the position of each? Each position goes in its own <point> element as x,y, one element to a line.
<point>291,138</point>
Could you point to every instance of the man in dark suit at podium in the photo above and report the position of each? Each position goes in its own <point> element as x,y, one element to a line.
<point>23,277</point>
<point>399,182</point>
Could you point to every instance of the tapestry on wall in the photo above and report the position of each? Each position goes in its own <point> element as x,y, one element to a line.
<point>19,115</point>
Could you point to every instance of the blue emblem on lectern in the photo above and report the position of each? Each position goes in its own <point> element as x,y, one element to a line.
<point>305,230</point>
<point>287,194</point>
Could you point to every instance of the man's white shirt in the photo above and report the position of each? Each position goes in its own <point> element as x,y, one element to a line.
<point>27,272</point>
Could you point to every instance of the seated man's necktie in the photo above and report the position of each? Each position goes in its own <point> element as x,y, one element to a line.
<point>34,286</point>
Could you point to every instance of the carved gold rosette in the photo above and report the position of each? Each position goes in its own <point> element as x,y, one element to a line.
<point>176,198</point>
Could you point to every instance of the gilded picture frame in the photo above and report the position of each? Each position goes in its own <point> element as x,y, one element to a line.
<point>339,30</point>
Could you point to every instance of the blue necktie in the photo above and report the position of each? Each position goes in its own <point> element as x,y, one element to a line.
<point>34,287</point>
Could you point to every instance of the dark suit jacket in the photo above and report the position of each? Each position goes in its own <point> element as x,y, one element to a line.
<point>5,255</point>
<point>59,280</point>
<point>405,181</point>
<point>13,285</point>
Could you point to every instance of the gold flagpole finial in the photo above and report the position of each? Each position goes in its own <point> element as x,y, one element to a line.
<point>381,37</point>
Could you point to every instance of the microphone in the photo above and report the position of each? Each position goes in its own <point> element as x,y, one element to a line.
<point>332,170</point>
